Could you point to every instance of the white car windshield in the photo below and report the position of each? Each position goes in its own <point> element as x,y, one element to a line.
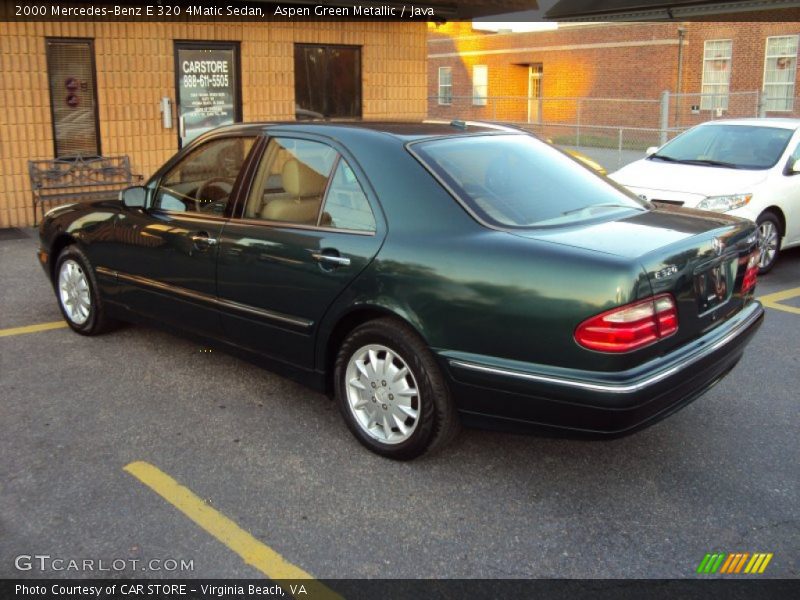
<point>517,181</point>
<point>727,146</point>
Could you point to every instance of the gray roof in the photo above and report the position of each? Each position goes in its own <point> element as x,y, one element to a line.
<point>571,9</point>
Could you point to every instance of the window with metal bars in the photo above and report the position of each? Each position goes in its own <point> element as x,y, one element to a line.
<point>780,67</point>
<point>445,85</point>
<point>717,59</point>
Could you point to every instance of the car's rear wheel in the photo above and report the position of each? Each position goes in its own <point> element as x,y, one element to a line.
<point>77,293</point>
<point>769,239</point>
<point>391,392</point>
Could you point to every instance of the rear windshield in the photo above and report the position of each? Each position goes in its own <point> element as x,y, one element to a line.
<point>731,146</point>
<point>518,181</point>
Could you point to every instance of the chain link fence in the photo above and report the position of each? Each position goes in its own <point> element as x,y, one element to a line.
<point>612,131</point>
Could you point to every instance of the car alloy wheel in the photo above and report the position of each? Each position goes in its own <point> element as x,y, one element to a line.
<point>391,391</point>
<point>769,241</point>
<point>382,394</point>
<point>73,292</point>
<point>77,293</point>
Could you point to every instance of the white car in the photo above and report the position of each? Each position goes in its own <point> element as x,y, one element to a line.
<point>748,168</point>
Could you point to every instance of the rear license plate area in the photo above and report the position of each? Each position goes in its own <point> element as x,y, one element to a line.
<point>713,284</point>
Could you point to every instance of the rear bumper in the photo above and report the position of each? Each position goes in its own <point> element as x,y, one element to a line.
<point>514,395</point>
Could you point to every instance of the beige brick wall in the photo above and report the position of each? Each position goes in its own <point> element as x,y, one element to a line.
<point>135,69</point>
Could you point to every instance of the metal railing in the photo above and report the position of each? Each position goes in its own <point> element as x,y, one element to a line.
<point>612,131</point>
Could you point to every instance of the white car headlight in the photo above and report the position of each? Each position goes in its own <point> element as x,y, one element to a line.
<point>724,203</point>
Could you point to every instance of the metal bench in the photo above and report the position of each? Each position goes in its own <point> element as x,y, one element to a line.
<point>79,179</point>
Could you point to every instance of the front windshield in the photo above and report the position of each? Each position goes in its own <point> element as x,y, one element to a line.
<point>518,181</point>
<point>727,146</point>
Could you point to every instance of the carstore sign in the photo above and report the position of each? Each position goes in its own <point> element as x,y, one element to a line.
<point>206,89</point>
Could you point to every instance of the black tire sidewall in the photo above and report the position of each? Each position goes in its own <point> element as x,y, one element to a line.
<point>93,324</point>
<point>433,397</point>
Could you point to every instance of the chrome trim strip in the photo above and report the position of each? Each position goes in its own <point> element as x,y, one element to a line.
<point>616,388</point>
<point>219,302</point>
<point>300,226</point>
<point>105,271</point>
<point>191,215</point>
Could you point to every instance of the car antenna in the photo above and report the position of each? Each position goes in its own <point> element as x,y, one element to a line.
<point>458,124</point>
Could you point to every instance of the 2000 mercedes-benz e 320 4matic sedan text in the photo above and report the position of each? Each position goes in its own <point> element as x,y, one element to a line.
<point>423,274</point>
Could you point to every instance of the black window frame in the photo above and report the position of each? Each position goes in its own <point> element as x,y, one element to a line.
<point>241,183</point>
<point>360,90</point>
<point>73,40</point>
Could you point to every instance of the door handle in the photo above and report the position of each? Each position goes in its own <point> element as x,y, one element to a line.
<point>181,126</point>
<point>331,259</point>
<point>202,241</point>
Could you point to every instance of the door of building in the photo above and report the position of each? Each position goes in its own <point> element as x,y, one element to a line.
<point>207,87</point>
<point>534,93</point>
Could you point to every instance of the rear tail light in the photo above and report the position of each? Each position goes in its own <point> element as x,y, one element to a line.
<point>630,327</point>
<point>751,273</point>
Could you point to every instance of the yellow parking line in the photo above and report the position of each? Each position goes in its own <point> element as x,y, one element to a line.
<point>252,551</point>
<point>32,328</point>
<point>774,300</point>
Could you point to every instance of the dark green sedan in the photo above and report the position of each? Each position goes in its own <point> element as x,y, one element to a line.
<point>425,275</point>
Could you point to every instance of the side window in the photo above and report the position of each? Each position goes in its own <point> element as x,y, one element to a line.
<point>308,183</point>
<point>203,180</point>
<point>346,205</point>
<point>291,182</point>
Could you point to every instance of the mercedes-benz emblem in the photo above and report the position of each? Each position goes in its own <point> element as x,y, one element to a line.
<point>718,245</point>
<point>643,197</point>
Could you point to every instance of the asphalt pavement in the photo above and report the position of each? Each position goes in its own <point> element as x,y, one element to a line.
<point>721,475</point>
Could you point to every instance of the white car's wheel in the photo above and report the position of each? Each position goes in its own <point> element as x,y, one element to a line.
<point>769,240</point>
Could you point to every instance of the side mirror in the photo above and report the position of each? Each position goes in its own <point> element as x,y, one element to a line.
<point>134,196</point>
<point>651,150</point>
<point>793,167</point>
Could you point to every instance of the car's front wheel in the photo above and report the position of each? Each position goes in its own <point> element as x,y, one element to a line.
<point>391,392</point>
<point>77,293</point>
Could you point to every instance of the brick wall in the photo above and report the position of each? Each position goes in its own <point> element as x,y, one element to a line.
<point>612,60</point>
<point>608,61</point>
<point>135,69</point>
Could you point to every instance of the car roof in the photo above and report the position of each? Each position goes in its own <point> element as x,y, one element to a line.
<point>404,131</point>
<point>782,123</point>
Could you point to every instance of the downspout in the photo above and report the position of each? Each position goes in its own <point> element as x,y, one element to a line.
<point>679,84</point>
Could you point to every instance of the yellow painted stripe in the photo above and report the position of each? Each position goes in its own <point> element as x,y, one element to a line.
<point>253,552</point>
<point>765,563</point>
<point>729,560</point>
<point>752,562</point>
<point>32,328</point>
<point>774,300</point>
<point>758,563</point>
<point>741,563</point>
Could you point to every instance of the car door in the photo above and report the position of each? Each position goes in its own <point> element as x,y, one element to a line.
<point>787,193</point>
<point>165,261</point>
<point>309,225</point>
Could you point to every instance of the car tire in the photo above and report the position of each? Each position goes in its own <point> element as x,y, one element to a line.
<point>769,240</point>
<point>77,293</point>
<point>397,414</point>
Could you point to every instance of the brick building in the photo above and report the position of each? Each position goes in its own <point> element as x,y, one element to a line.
<point>718,68</point>
<point>96,87</point>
